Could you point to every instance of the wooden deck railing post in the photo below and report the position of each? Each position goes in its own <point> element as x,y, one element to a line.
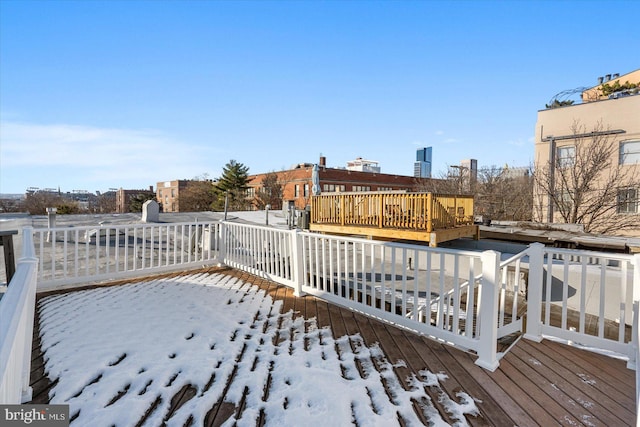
<point>488,311</point>
<point>534,292</point>
<point>430,208</point>
<point>297,262</point>
<point>381,211</point>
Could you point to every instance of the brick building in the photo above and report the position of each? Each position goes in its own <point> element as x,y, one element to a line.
<point>297,182</point>
<point>123,197</point>
<point>168,194</point>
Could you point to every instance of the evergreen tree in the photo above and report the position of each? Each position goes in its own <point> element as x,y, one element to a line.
<point>136,202</point>
<point>233,184</point>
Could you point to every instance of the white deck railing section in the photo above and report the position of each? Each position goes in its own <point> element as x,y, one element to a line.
<point>69,256</point>
<point>584,289</point>
<point>263,251</point>
<point>469,299</point>
<point>398,282</point>
<point>16,327</point>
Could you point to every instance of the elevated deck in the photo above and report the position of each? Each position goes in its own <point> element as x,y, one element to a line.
<point>423,217</point>
<point>545,383</point>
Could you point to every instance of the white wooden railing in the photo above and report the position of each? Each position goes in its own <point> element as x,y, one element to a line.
<point>423,289</point>
<point>582,287</point>
<point>73,255</point>
<point>16,327</point>
<point>263,251</point>
<point>378,279</point>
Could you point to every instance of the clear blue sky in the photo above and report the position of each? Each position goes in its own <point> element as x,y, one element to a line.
<point>96,94</point>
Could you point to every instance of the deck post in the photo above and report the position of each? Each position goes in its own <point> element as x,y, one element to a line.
<point>636,277</point>
<point>632,362</point>
<point>534,292</point>
<point>28,258</point>
<point>222,243</point>
<point>297,258</point>
<point>488,311</point>
<point>634,351</point>
<point>430,206</point>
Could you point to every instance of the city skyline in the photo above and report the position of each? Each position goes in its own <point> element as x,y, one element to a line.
<point>99,95</point>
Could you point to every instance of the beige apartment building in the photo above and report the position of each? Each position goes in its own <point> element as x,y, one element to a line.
<point>566,137</point>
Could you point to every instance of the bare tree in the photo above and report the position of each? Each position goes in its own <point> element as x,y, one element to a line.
<point>583,186</point>
<point>504,193</point>
<point>270,193</point>
<point>198,196</point>
<point>451,182</point>
<point>103,203</point>
<point>36,203</point>
<point>499,192</point>
<point>10,205</point>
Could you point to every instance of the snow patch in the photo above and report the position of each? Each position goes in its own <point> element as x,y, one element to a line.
<point>120,352</point>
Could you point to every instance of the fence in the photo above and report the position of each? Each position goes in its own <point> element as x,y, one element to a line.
<point>16,327</point>
<point>373,278</point>
<point>73,255</point>
<point>417,211</point>
<point>584,297</point>
<point>470,299</point>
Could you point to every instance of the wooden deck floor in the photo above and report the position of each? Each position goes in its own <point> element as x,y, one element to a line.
<point>536,384</point>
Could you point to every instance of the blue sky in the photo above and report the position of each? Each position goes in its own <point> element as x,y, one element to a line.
<point>97,95</point>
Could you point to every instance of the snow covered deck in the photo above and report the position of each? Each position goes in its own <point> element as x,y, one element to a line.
<point>220,346</point>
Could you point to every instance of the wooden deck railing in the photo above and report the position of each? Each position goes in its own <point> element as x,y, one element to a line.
<point>409,211</point>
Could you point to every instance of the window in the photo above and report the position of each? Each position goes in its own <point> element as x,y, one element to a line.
<point>296,191</point>
<point>565,156</point>
<point>628,200</point>
<point>361,188</point>
<point>306,190</point>
<point>564,200</point>
<point>329,188</point>
<point>629,152</point>
<point>385,188</point>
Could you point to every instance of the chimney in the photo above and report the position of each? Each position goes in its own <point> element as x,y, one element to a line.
<point>600,80</point>
<point>607,77</point>
<point>323,161</point>
<point>151,188</point>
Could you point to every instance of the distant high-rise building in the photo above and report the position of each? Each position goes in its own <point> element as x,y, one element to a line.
<point>422,166</point>
<point>471,167</point>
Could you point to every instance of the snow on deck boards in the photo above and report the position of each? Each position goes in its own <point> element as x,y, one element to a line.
<point>225,347</point>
